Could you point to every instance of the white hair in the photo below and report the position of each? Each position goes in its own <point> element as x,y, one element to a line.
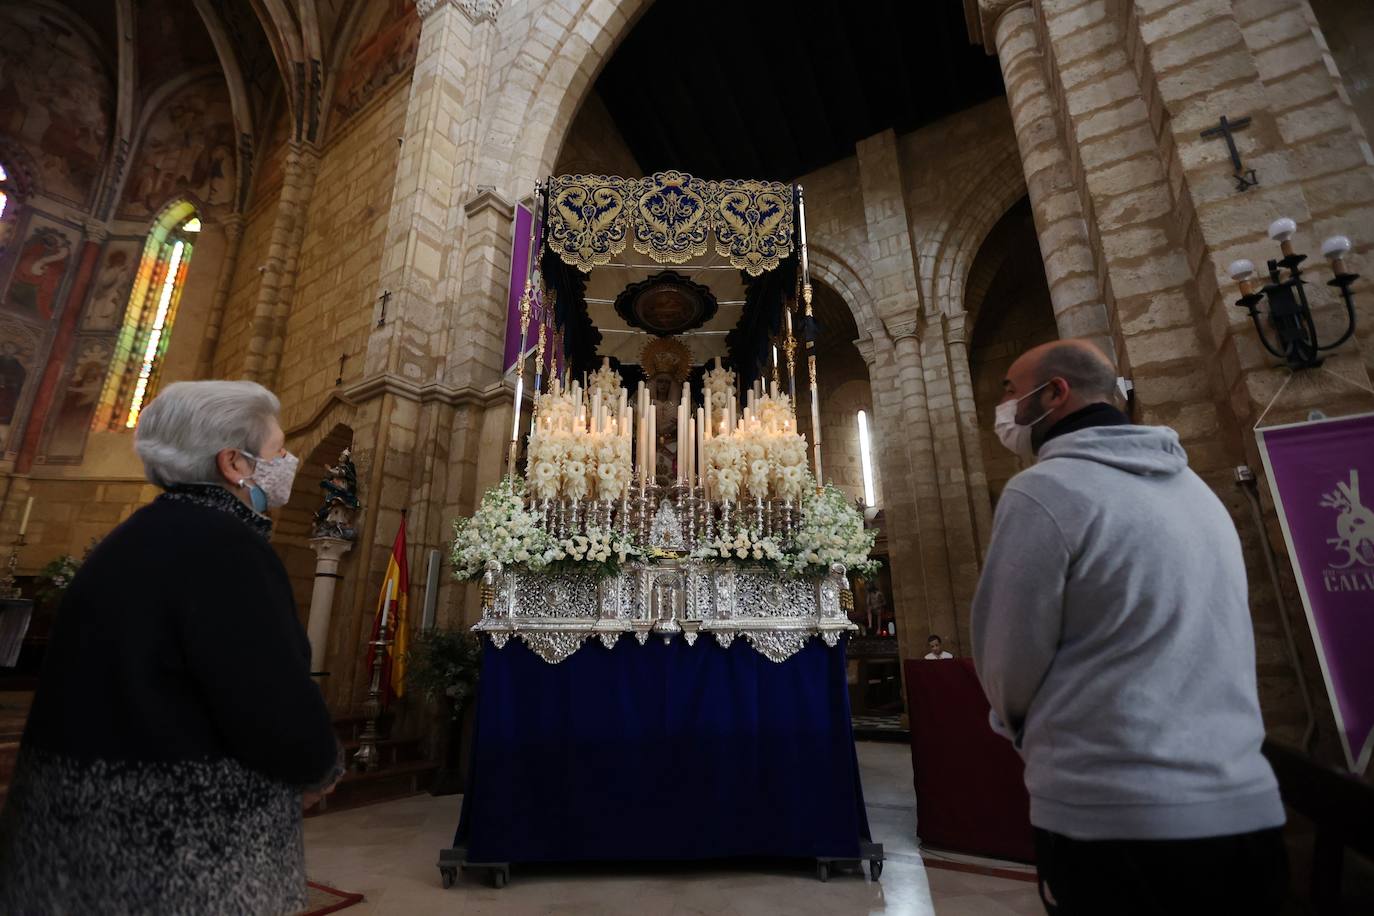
<point>182,431</point>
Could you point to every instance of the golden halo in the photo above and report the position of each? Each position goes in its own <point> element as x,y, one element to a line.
<point>666,356</point>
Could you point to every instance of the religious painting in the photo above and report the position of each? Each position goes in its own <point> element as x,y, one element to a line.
<point>384,46</point>
<point>77,399</point>
<point>187,150</point>
<point>40,266</point>
<point>18,351</point>
<point>113,283</point>
<point>55,100</point>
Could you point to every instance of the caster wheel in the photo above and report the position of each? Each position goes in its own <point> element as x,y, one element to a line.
<point>823,871</point>
<point>449,876</point>
<point>498,879</point>
<point>875,869</point>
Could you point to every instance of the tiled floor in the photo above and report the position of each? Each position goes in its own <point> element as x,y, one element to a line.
<point>388,852</point>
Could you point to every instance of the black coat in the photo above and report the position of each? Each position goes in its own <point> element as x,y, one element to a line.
<point>174,727</point>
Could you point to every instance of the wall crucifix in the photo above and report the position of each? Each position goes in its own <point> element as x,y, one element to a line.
<point>384,298</point>
<point>1245,178</point>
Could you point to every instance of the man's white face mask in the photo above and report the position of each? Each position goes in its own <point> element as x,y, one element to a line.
<point>1017,436</point>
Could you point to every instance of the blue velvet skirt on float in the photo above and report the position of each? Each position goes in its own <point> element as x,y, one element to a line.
<point>662,751</point>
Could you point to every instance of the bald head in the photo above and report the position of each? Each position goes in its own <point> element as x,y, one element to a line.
<point>1086,369</point>
<point>1055,380</point>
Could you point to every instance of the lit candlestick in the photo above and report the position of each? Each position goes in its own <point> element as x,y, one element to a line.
<point>691,452</point>
<point>24,525</point>
<point>701,447</point>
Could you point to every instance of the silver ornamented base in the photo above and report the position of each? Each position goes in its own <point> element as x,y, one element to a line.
<point>555,613</point>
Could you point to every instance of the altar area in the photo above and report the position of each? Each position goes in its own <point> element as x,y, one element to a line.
<point>664,577</point>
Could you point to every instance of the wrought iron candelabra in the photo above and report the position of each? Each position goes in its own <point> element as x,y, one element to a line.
<point>1290,315</point>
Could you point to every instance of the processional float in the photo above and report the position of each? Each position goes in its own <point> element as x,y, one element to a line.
<point>689,506</point>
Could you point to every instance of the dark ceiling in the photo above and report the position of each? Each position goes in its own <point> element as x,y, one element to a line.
<point>776,88</point>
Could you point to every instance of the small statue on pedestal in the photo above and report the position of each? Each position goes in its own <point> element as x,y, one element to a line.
<point>334,519</point>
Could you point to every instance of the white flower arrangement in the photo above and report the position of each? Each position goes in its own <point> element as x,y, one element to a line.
<point>831,531</point>
<point>605,380</point>
<point>501,529</point>
<point>745,547</point>
<point>599,551</point>
<point>718,384</point>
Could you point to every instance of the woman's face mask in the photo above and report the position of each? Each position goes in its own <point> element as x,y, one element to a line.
<point>1017,436</point>
<point>270,485</point>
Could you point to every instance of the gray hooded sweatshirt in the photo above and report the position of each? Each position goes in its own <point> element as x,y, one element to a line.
<point>1112,634</point>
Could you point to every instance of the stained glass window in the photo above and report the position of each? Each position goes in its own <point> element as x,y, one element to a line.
<point>6,210</point>
<point>147,328</point>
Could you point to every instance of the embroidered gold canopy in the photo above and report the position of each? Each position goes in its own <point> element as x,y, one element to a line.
<point>671,217</point>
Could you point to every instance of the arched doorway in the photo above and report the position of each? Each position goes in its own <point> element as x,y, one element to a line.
<point>1008,302</point>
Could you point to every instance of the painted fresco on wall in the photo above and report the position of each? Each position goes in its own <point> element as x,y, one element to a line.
<point>113,283</point>
<point>384,47</point>
<point>171,40</point>
<point>40,265</point>
<point>187,150</point>
<point>55,100</point>
<point>18,352</point>
<point>71,419</point>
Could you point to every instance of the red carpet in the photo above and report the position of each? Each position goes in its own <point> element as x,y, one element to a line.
<point>328,900</point>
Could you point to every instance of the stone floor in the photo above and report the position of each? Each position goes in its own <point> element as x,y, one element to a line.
<point>388,852</point>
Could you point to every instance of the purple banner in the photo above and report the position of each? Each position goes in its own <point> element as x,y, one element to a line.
<point>520,257</point>
<point>1322,477</point>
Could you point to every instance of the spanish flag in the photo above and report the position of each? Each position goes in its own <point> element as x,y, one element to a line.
<point>396,586</point>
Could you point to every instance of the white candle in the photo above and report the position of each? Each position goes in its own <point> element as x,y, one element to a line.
<point>692,454</point>
<point>652,463</point>
<point>24,525</point>
<point>706,418</point>
<point>386,608</point>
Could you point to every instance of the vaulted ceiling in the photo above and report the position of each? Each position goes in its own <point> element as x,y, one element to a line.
<point>776,88</point>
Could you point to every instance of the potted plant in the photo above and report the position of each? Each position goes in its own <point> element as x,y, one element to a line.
<point>442,665</point>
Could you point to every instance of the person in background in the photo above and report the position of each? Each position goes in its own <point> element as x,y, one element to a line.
<point>935,648</point>
<point>877,608</point>
<point>175,728</point>
<point>1112,635</point>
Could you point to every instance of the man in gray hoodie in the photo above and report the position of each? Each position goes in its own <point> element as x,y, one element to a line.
<point>1112,635</point>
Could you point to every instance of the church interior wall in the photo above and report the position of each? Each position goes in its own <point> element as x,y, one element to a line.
<point>1348,30</point>
<point>341,257</point>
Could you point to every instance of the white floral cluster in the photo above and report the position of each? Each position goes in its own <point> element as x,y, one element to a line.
<point>501,529</point>
<point>761,460</point>
<point>605,380</point>
<point>579,465</point>
<point>718,384</point>
<point>745,545</point>
<point>598,545</point>
<point>831,531</point>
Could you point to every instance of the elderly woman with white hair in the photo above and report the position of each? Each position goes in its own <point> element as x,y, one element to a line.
<point>175,727</point>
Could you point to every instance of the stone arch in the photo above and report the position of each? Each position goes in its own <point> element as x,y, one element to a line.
<point>990,194</point>
<point>837,273</point>
<point>535,93</point>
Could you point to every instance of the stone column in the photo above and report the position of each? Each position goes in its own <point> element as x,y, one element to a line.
<point>278,284</point>
<point>328,554</point>
<point>1070,269</point>
<point>966,413</point>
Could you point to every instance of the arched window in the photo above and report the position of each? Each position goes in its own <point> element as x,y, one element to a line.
<point>8,206</point>
<point>148,319</point>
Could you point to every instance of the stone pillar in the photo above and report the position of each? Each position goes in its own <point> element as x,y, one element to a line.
<point>278,285</point>
<point>328,554</point>
<point>233,237</point>
<point>966,414</point>
<point>1070,269</point>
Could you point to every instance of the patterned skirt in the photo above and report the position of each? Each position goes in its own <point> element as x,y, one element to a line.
<point>189,836</point>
